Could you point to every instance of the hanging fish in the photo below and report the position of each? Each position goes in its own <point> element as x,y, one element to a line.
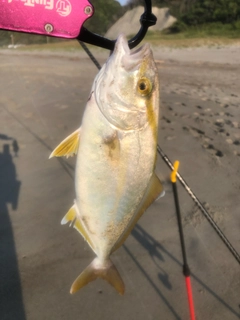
<point>116,155</point>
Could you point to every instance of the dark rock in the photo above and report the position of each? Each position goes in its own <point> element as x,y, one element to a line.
<point>219,153</point>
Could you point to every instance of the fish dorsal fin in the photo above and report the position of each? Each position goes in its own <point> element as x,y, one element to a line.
<point>71,216</point>
<point>68,147</point>
<point>154,191</point>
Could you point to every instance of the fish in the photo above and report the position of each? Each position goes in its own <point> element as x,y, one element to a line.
<point>116,148</point>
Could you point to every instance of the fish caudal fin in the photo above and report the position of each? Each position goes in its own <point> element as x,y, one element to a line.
<point>96,269</point>
<point>68,147</point>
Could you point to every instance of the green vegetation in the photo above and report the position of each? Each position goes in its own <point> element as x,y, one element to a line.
<point>214,29</point>
<point>212,11</point>
<point>63,46</point>
<point>107,12</point>
<point>211,18</point>
<point>195,12</point>
<point>9,37</point>
<point>201,18</point>
<point>189,38</point>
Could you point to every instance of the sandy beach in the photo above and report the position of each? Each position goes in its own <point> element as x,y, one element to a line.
<point>42,98</point>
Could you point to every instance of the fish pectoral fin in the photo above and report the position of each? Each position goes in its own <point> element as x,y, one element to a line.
<point>71,216</point>
<point>154,191</point>
<point>96,269</point>
<point>68,147</point>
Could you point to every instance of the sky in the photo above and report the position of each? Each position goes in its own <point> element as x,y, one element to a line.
<point>123,2</point>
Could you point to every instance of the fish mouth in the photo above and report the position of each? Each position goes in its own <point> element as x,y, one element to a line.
<point>141,52</point>
<point>131,59</point>
<point>115,85</point>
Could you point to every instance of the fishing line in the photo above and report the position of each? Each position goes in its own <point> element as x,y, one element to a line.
<point>91,56</point>
<point>30,98</point>
<point>66,166</point>
<point>200,206</point>
<point>183,182</point>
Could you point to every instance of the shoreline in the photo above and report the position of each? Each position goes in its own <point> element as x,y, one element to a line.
<point>220,54</point>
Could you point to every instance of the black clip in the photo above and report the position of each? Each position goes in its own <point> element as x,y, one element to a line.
<point>147,20</point>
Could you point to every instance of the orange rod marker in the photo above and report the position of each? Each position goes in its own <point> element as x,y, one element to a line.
<point>186,270</point>
<point>174,172</point>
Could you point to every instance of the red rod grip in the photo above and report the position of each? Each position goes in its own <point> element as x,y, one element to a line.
<point>190,298</point>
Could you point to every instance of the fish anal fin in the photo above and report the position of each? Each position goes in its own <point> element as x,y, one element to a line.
<point>71,216</point>
<point>68,147</point>
<point>80,228</point>
<point>154,191</point>
<point>96,269</point>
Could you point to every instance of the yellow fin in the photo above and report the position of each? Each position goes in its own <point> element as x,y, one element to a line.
<point>97,269</point>
<point>68,147</point>
<point>154,191</point>
<point>71,216</point>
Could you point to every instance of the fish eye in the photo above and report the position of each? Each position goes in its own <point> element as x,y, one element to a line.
<point>144,86</point>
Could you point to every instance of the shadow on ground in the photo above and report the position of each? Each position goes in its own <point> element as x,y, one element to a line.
<point>156,251</point>
<point>11,302</point>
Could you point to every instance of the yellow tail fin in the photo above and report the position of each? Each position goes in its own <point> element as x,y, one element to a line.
<point>97,269</point>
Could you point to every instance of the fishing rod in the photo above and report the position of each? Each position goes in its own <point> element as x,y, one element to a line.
<point>183,182</point>
<point>186,269</point>
<point>200,206</point>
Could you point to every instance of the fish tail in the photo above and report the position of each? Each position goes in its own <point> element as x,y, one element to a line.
<point>97,269</point>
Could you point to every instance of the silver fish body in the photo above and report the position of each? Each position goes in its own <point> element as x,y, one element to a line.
<point>116,153</point>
